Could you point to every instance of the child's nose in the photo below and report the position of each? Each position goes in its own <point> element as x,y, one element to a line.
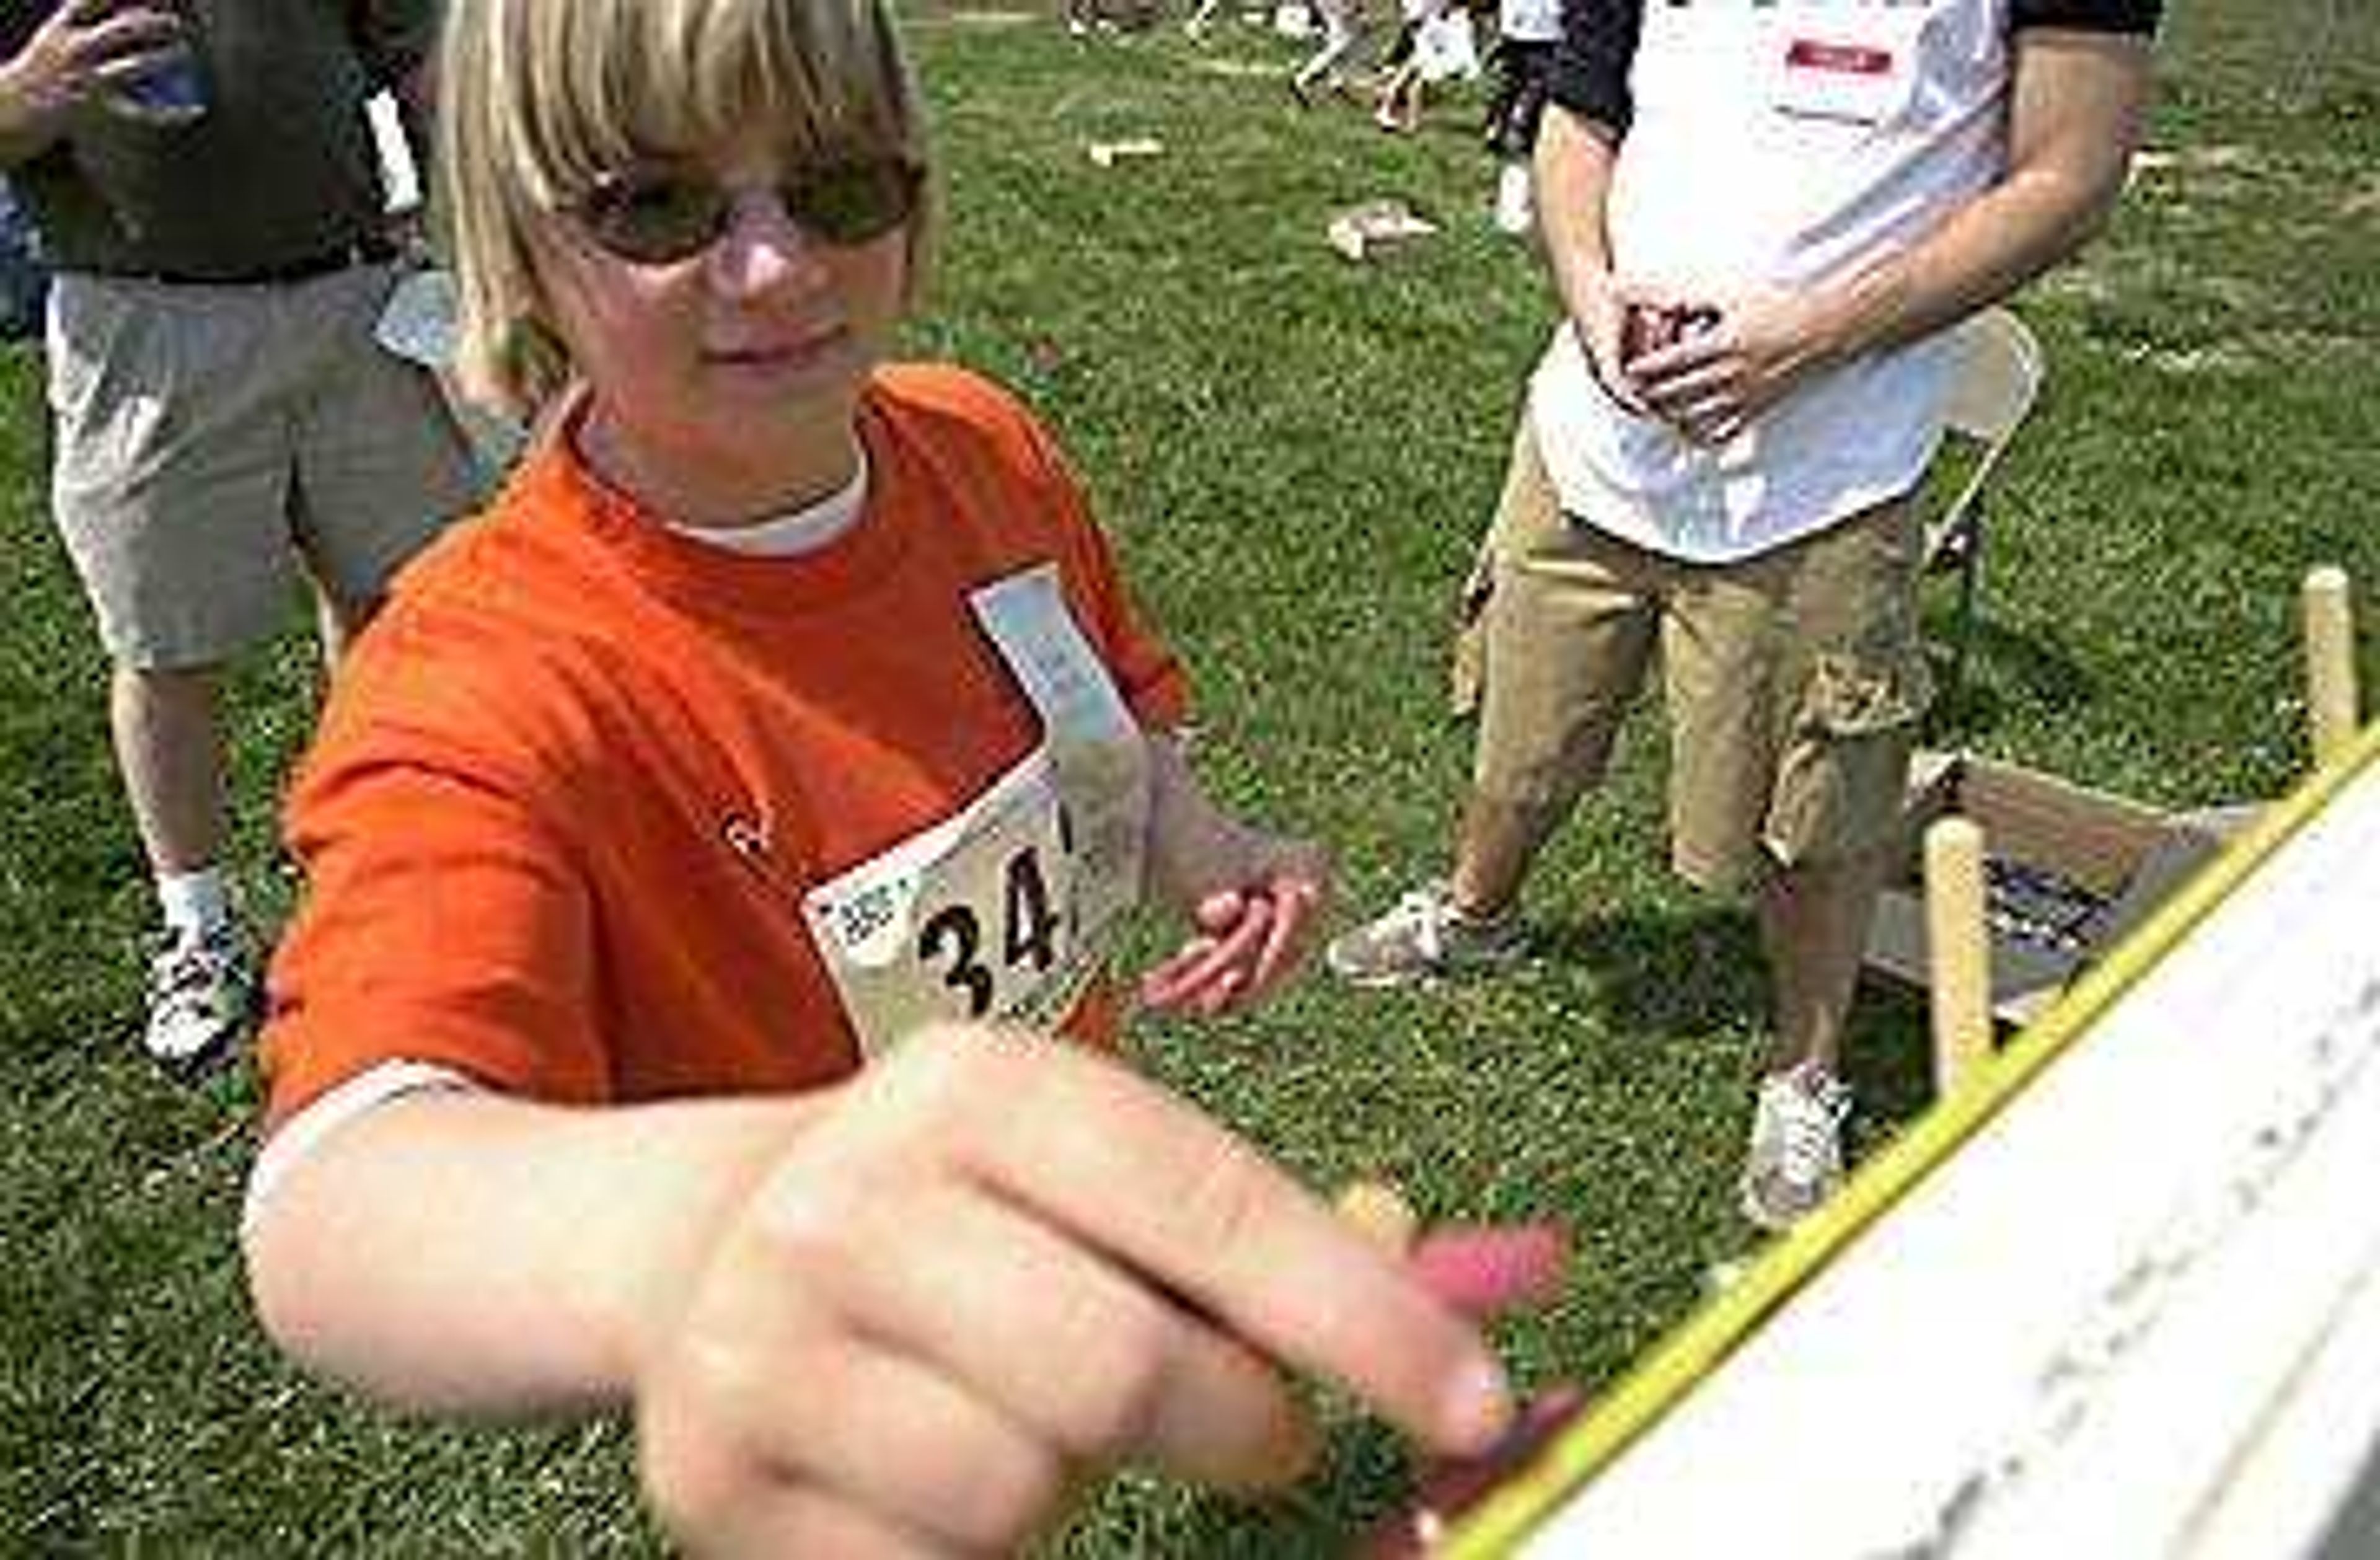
<point>764,247</point>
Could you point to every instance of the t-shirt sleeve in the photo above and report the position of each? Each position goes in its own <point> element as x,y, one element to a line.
<point>441,925</point>
<point>1589,74</point>
<point>2087,16</point>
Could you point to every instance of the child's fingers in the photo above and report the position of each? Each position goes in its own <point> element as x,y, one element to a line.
<point>1210,971</point>
<point>1219,911</point>
<point>1167,986</point>
<point>1136,1174</point>
<point>1286,915</point>
<point>1293,916</point>
<point>1221,993</point>
<point>1224,953</point>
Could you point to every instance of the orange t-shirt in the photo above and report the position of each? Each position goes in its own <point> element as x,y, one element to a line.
<point>573,786</point>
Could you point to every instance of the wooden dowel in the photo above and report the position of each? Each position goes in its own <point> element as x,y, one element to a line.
<point>1381,1213</point>
<point>1958,960</point>
<point>2332,704</point>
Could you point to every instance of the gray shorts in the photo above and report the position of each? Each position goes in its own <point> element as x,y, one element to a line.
<point>211,438</point>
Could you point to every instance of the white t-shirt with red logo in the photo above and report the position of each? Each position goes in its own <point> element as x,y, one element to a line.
<point>1773,146</point>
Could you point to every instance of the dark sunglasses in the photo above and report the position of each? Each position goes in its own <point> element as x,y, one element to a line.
<point>661,215</point>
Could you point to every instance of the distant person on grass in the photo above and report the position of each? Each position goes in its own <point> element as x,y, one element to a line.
<point>693,840</point>
<point>1434,43</point>
<point>1761,220</point>
<point>224,419</point>
<point>1325,70</point>
<point>1527,33</point>
<point>24,274</point>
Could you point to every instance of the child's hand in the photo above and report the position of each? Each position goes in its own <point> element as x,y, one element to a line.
<point>994,1266</point>
<point>1252,898</point>
<point>1246,936</point>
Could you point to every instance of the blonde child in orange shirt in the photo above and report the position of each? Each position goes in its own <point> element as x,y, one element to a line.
<point>701,834</point>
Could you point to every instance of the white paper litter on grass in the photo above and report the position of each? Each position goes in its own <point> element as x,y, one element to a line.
<point>1361,232</point>
<point>1107,154</point>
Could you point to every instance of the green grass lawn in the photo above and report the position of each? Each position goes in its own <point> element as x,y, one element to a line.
<point>1297,456</point>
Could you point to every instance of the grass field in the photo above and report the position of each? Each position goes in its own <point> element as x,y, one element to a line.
<point>1297,456</point>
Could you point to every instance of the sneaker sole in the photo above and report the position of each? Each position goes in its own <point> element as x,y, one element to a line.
<point>217,1053</point>
<point>1370,980</point>
<point>1476,969</point>
<point>1761,1218</point>
<point>208,1059</point>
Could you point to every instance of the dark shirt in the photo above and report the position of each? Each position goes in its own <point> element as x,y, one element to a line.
<point>280,169</point>
<point>1599,43</point>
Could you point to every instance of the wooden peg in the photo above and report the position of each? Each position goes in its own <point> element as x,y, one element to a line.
<point>1381,1213</point>
<point>2332,704</point>
<point>1958,960</point>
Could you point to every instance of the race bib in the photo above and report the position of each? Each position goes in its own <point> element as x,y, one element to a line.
<point>1005,909</point>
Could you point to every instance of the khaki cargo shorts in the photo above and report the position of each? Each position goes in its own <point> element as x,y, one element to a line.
<point>1794,681</point>
<point>211,438</point>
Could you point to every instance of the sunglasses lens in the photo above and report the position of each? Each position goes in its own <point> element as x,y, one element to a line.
<point>853,203</point>
<point>654,218</point>
<point>661,217</point>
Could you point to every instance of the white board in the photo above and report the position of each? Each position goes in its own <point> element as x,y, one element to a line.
<point>2136,1312</point>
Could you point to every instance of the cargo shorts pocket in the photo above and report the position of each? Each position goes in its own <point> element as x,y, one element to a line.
<point>1845,760</point>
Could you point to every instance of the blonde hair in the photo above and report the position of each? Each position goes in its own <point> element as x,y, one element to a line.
<point>538,99</point>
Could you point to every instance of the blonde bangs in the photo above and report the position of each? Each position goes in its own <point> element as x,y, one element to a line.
<point>540,98</point>
<point>611,81</point>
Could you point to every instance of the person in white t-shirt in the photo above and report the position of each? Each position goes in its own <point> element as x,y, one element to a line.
<point>1760,220</point>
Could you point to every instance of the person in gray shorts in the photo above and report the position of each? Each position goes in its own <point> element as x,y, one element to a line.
<point>203,179</point>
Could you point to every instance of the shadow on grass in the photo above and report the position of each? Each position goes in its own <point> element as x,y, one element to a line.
<point>1688,971</point>
<point>2004,668</point>
<point>1695,971</point>
<point>1364,1479</point>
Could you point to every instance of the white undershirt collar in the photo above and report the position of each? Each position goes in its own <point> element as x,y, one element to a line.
<point>806,529</point>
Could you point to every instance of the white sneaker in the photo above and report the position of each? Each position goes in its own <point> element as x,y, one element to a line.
<point>1514,211</point>
<point>204,998</point>
<point>1795,1161</point>
<point>1423,937</point>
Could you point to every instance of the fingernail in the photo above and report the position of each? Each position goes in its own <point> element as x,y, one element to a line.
<point>1477,1408</point>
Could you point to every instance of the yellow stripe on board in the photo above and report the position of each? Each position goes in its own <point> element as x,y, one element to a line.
<point>1692,1351</point>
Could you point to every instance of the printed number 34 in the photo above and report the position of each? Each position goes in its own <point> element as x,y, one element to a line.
<point>1028,937</point>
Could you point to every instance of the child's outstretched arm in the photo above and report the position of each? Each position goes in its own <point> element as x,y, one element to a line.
<point>1252,898</point>
<point>882,1319</point>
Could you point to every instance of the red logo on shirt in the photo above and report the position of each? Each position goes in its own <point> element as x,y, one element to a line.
<point>1847,59</point>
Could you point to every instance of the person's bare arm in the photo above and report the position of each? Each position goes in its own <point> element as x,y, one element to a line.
<point>461,1252</point>
<point>1573,176</point>
<point>2077,101</point>
<point>905,1315</point>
